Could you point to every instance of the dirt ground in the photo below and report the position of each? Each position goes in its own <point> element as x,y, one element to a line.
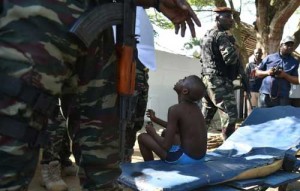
<point>73,181</point>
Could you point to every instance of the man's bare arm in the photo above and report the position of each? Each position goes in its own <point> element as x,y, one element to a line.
<point>262,73</point>
<point>290,78</point>
<point>179,12</point>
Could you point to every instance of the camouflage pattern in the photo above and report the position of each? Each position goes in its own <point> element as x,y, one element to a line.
<point>220,96</point>
<point>35,46</point>
<point>57,128</point>
<point>60,142</point>
<point>220,66</point>
<point>219,55</point>
<point>141,100</point>
<point>38,51</point>
<point>96,140</point>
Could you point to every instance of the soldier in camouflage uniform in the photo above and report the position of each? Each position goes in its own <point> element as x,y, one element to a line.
<point>35,52</point>
<point>220,64</point>
<point>37,56</point>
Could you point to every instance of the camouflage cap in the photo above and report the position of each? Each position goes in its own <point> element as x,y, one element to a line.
<point>222,10</point>
<point>287,39</point>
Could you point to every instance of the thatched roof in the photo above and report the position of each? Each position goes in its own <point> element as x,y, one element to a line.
<point>248,35</point>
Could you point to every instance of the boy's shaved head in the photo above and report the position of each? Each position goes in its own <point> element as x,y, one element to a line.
<point>195,86</point>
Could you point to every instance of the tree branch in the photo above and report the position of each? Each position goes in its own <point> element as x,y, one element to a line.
<point>297,35</point>
<point>281,17</point>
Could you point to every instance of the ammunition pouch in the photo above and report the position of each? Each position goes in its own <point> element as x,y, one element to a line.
<point>23,132</point>
<point>40,102</point>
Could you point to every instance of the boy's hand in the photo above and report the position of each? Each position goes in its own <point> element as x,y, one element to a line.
<point>150,130</point>
<point>151,114</point>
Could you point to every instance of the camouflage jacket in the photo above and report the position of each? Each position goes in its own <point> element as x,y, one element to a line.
<point>219,55</point>
<point>35,46</point>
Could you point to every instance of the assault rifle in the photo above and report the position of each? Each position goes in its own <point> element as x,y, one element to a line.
<point>88,28</point>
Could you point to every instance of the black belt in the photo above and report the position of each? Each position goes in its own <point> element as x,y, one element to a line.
<point>41,102</point>
<point>23,132</point>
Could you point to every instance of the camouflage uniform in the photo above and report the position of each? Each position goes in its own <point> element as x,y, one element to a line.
<point>219,68</point>
<point>140,104</point>
<point>59,149</point>
<point>57,130</point>
<point>36,48</point>
<point>96,140</point>
<point>60,142</point>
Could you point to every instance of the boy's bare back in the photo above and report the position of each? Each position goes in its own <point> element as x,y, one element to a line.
<point>186,117</point>
<point>191,127</point>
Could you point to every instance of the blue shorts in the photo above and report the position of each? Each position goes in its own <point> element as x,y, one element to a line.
<point>177,156</point>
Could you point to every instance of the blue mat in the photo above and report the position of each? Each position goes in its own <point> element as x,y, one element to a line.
<point>264,137</point>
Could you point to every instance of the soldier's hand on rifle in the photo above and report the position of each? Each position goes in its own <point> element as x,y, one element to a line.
<point>180,13</point>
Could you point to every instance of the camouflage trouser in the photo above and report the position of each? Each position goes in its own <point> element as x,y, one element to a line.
<point>60,142</point>
<point>94,117</point>
<point>17,164</point>
<point>220,96</point>
<point>36,49</point>
<point>140,105</point>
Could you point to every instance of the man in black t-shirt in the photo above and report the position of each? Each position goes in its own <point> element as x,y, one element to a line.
<point>254,82</point>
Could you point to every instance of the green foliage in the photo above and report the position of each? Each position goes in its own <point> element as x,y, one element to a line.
<point>160,21</point>
<point>193,42</point>
<point>201,3</point>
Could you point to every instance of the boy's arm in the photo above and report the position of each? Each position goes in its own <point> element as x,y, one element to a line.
<point>170,132</point>
<point>171,129</point>
<point>151,114</point>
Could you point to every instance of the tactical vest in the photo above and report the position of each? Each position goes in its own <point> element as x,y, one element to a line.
<point>212,62</point>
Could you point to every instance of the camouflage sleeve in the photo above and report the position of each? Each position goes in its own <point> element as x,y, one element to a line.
<point>227,49</point>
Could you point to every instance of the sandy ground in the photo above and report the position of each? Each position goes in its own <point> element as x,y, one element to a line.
<point>73,181</point>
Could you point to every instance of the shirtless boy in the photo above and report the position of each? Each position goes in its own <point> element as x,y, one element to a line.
<point>185,119</point>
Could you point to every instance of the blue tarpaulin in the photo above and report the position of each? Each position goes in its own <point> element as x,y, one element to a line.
<point>264,137</point>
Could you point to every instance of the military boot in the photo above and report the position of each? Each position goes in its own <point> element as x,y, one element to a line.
<point>51,177</point>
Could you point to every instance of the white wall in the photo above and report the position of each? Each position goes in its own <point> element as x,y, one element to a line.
<point>170,68</point>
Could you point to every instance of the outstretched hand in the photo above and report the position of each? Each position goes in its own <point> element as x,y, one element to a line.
<point>180,13</point>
